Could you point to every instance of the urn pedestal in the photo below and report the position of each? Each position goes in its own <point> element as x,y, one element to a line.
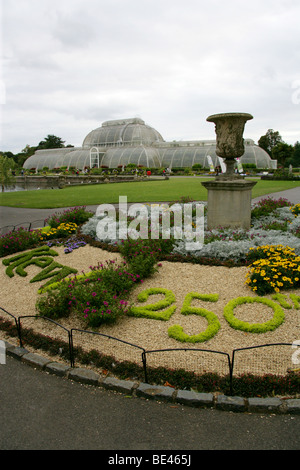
<point>229,195</point>
<point>229,203</point>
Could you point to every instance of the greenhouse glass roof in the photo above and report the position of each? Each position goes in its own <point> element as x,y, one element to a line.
<point>118,143</point>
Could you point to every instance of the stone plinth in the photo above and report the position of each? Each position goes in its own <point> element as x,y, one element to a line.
<point>229,203</point>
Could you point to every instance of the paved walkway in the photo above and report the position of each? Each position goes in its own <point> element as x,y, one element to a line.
<point>40,411</point>
<point>292,195</point>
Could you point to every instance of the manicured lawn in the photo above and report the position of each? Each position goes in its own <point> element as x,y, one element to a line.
<point>147,191</point>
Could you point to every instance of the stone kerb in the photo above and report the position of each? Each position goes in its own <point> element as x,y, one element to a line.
<point>156,392</point>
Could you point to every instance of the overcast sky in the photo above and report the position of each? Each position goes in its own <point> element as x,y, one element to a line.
<point>69,65</point>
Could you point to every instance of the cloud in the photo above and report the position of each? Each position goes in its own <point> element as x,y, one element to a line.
<point>70,65</point>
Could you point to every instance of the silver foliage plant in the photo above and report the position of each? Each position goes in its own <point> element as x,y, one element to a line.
<point>228,248</point>
<point>230,243</point>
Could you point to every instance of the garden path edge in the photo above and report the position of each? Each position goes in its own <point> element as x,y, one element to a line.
<point>270,405</point>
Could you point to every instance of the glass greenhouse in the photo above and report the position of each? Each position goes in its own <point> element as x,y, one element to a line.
<point>118,143</point>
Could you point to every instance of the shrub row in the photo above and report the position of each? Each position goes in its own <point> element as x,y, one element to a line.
<point>75,215</point>
<point>245,385</point>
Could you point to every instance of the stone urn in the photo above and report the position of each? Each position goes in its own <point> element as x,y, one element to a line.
<point>229,194</point>
<point>229,129</point>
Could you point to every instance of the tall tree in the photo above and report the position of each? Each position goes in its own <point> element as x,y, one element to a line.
<point>6,177</point>
<point>294,160</point>
<point>51,142</point>
<point>24,154</point>
<point>282,152</point>
<point>270,140</point>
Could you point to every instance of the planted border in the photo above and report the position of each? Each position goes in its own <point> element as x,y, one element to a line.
<point>280,299</point>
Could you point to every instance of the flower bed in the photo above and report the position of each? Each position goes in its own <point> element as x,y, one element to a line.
<point>98,297</point>
<point>19,240</point>
<point>75,215</point>
<point>273,223</point>
<point>103,295</point>
<point>275,227</point>
<point>63,230</point>
<point>272,269</point>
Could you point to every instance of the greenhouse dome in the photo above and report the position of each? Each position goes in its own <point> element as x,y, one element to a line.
<point>122,132</point>
<point>121,142</point>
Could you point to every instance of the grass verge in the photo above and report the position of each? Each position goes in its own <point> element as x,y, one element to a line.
<point>148,191</point>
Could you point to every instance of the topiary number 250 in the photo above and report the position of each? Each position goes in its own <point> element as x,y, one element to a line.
<point>163,310</point>
<point>176,331</point>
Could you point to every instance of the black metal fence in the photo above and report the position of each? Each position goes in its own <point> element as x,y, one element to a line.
<point>192,359</point>
<point>25,225</point>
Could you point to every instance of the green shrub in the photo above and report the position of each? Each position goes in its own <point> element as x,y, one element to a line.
<point>268,205</point>
<point>55,304</point>
<point>140,256</point>
<point>268,385</point>
<point>196,167</point>
<point>18,240</point>
<point>76,215</point>
<point>117,277</point>
<point>276,225</point>
<point>97,298</point>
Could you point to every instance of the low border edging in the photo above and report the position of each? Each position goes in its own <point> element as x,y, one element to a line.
<point>157,392</point>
